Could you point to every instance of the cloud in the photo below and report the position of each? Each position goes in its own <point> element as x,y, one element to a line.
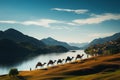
<point>71,24</point>
<point>96,19</point>
<point>49,23</point>
<point>8,22</point>
<point>41,22</point>
<point>77,11</point>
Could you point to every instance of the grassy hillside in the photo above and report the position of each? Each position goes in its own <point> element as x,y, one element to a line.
<point>96,68</point>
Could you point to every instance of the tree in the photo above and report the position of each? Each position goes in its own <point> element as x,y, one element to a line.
<point>13,72</point>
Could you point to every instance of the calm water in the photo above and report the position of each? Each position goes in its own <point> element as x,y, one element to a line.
<point>26,65</point>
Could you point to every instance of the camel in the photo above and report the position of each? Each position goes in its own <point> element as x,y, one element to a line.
<point>40,64</point>
<point>69,59</point>
<point>51,62</point>
<point>60,61</point>
<point>79,56</point>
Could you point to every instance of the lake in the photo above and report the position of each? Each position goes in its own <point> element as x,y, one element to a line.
<point>31,63</point>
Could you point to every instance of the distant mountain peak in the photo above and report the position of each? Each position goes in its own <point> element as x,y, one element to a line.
<point>52,42</point>
<point>50,38</point>
<point>12,30</point>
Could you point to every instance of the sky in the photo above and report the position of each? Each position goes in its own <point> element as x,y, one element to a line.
<point>76,21</point>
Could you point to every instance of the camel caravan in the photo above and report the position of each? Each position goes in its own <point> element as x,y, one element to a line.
<point>59,61</point>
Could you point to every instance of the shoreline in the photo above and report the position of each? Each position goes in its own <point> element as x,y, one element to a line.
<point>78,68</point>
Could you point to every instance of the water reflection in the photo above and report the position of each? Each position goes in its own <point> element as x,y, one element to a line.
<point>31,63</point>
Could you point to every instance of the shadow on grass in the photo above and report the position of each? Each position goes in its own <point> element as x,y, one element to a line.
<point>93,69</point>
<point>21,78</point>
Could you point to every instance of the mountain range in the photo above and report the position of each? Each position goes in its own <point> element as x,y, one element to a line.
<point>97,41</point>
<point>106,45</point>
<point>109,47</point>
<point>15,46</point>
<point>18,37</point>
<point>52,42</point>
<point>105,39</point>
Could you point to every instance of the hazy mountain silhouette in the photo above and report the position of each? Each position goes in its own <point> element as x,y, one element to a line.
<point>80,45</point>
<point>105,39</point>
<point>52,42</point>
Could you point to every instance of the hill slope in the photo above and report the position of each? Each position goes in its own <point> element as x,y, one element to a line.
<point>11,52</point>
<point>18,37</point>
<point>98,68</point>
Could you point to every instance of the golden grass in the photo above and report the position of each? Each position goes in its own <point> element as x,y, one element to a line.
<point>98,68</point>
